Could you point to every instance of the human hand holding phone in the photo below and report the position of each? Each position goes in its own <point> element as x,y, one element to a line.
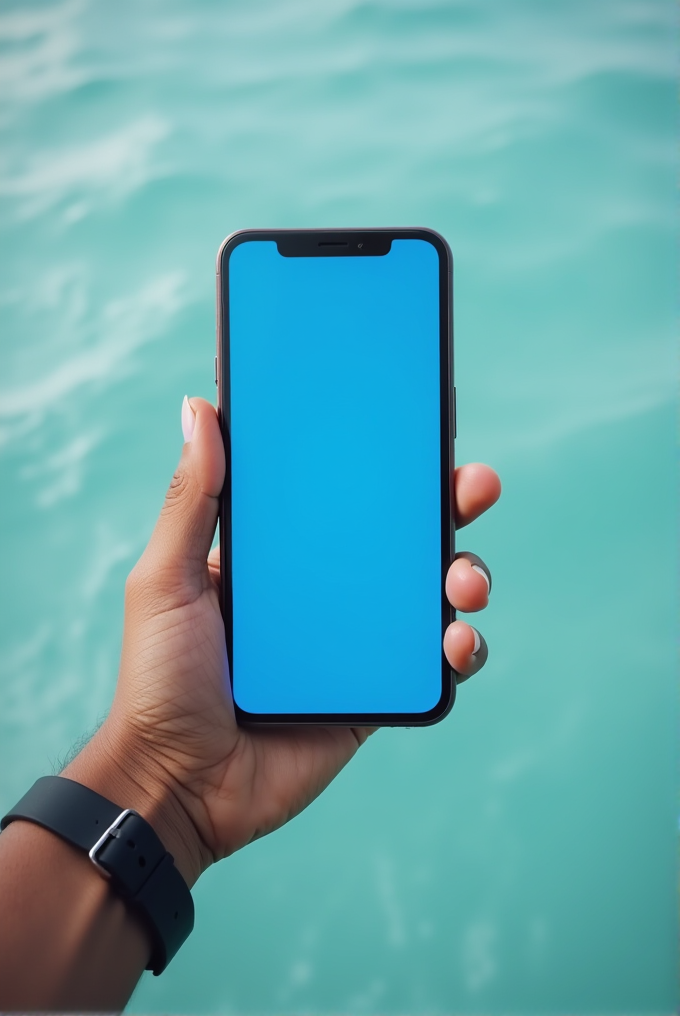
<point>171,747</point>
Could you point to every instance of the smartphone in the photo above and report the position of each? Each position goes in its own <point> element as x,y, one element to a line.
<point>335,384</point>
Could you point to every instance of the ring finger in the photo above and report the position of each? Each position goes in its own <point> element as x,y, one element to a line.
<point>465,649</point>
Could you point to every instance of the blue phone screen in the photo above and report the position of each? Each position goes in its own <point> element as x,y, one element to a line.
<point>336,499</point>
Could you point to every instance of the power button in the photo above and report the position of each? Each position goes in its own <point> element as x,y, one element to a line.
<point>215,370</point>
<point>455,424</point>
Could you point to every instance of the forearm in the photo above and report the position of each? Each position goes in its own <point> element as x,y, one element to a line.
<point>67,941</point>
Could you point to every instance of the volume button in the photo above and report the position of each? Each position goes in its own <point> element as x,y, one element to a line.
<point>215,370</point>
<point>455,423</point>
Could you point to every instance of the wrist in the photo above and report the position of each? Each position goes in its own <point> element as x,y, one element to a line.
<point>116,764</point>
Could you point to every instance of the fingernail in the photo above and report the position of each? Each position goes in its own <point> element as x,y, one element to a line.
<point>188,420</point>
<point>480,571</point>
<point>478,657</point>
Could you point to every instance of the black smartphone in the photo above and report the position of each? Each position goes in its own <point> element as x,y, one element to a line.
<point>337,406</point>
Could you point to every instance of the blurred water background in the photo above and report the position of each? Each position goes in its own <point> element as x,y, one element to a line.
<point>520,857</point>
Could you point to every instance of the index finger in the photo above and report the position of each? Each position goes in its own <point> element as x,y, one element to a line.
<point>475,488</point>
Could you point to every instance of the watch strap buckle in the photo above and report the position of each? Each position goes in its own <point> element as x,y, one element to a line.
<point>92,852</point>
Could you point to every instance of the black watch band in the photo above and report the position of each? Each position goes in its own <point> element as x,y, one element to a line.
<point>125,849</point>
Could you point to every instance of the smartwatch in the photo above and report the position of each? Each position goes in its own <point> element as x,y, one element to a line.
<point>124,849</point>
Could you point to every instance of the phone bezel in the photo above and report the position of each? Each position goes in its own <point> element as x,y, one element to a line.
<point>373,238</point>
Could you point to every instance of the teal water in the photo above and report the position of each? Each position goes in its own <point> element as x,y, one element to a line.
<point>520,857</point>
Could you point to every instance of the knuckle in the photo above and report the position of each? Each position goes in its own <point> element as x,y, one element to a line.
<point>177,489</point>
<point>177,493</point>
<point>132,581</point>
<point>136,582</point>
<point>150,589</point>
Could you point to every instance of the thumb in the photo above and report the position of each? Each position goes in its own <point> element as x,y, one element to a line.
<point>175,559</point>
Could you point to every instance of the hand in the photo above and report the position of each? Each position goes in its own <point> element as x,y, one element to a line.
<point>171,745</point>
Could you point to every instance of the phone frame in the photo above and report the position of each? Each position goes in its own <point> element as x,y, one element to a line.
<point>343,243</point>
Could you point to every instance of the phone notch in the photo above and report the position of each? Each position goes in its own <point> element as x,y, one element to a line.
<point>311,244</point>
